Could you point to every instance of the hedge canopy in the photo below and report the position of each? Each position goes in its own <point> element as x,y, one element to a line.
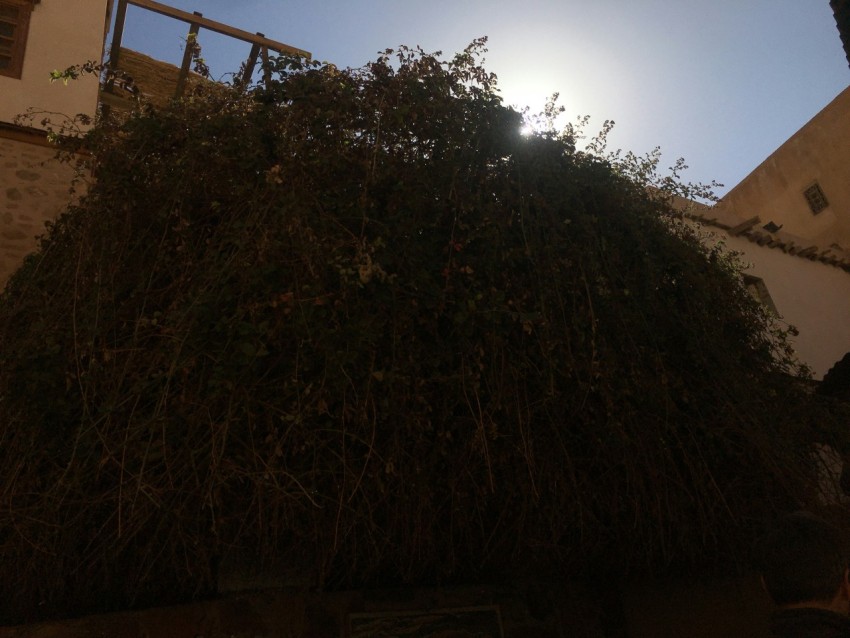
<point>355,321</point>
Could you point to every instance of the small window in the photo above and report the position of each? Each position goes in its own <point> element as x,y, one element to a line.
<point>817,200</point>
<point>757,289</point>
<point>14,26</point>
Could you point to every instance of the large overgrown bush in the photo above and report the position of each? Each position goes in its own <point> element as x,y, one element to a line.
<point>354,321</point>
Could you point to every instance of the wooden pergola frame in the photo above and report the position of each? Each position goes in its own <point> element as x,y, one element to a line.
<point>260,45</point>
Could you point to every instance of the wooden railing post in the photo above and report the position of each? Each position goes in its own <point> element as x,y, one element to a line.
<point>252,62</point>
<point>118,34</point>
<point>191,41</point>
<point>260,44</point>
<point>267,74</point>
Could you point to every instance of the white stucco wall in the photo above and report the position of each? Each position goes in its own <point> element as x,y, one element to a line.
<point>61,33</point>
<point>812,296</point>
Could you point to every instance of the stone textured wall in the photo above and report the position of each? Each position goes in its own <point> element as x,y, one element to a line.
<point>34,188</point>
<point>156,80</point>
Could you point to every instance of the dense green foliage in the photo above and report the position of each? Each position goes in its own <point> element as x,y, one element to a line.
<point>354,321</point>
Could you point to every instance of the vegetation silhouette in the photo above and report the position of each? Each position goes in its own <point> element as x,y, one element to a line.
<point>354,322</point>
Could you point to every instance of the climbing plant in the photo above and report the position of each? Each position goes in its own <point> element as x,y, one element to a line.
<point>354,321</point>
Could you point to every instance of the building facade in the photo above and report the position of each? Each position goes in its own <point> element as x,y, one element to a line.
<point>803,188</point>
<point>790,221</point>
<point>34,185</point>
<point>807,287</point>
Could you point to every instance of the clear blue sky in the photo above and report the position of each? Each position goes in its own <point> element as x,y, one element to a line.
<point>720,83</point>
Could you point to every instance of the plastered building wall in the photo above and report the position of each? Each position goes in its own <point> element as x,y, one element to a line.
<point>818,152</point>
<point>810,295</point>
<point>61,33</point>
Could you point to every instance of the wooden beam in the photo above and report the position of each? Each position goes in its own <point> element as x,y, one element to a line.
<point>30,135</point>
<point>744,226</point>
<point>218,27</point>
<point>25,134</point>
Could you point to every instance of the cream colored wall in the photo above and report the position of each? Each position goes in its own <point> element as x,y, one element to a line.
<point>812,296</point>
<point>61,33</point>
<point>820,151</point>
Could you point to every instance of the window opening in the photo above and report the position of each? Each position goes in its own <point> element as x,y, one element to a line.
<point>14,25</point>
<point>758,290</point>
<point>815,197</point>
